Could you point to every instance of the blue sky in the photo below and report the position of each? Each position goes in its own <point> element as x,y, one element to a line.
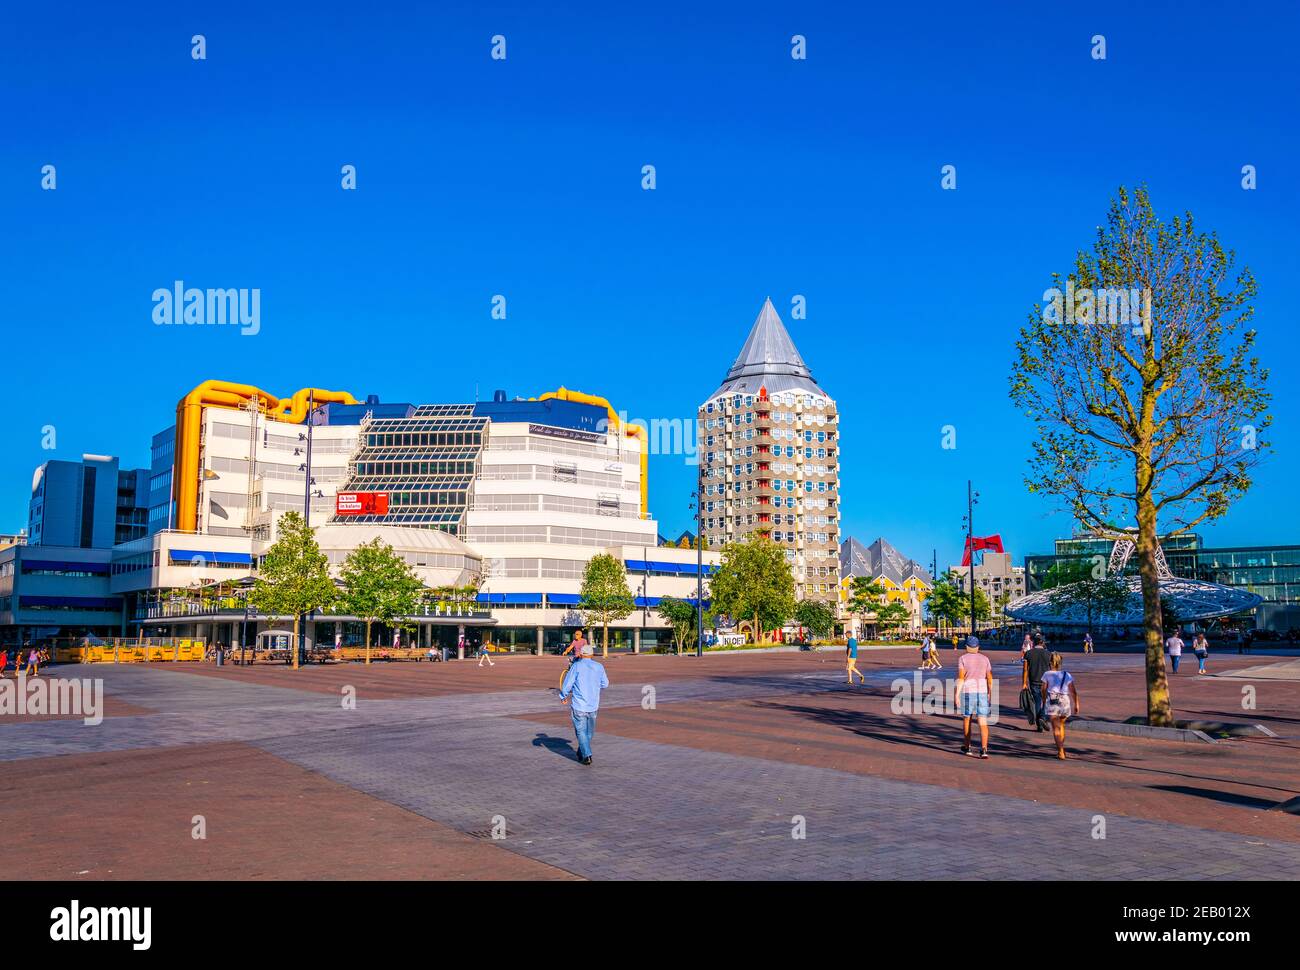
<point>522,177</point>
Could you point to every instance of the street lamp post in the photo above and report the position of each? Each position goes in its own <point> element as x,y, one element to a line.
<point>699,561</point>
<point>300,646</point>
<point>972,499</point>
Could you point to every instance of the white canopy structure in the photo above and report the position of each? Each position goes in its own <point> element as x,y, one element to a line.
<point>1190,599</point>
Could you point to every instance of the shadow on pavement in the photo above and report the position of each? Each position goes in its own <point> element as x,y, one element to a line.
<point>560,746</point>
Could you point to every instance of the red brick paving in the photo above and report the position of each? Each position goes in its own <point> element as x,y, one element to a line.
<point>1226,786</point>
<point>113,706</point>
<point>127,815</point>
<point>131,810</point>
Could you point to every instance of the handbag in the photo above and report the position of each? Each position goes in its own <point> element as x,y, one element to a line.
<point>1026,701</point>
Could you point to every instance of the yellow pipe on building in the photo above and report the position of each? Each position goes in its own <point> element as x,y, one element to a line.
<point>630,430</point>
<point>225,394</point>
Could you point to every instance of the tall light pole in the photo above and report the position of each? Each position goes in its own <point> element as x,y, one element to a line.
<point>299,647</point>
<point>934,581</point>
<point>699,561</point>
<point>972,500</point>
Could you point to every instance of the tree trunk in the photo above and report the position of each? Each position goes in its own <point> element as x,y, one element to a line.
<point>758,631</point>
<point>295,640</point>
<point>604,645</point>
<point>367,642</point>
<point>1159,710</point>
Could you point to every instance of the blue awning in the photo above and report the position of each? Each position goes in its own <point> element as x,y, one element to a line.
<point>490,598</point>
<point>656,566</point>
<point>563,599</point>
<point>647,602</point>
<point>190,555</point>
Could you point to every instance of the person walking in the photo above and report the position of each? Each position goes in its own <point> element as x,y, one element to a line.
<point>1200,647</point>
<point>1060,700</point>
<point>925,652</point>
<point>934,655</point>
<point>1087,642</point>
<point>1175,647</point>
<point>574,651</point>
<point>1026,644</point>
<point>483,652</point>
<point>1037,661</point>
<point>584,680</point>
<point>33,663</point>
<point>4,663</point>
<point>974,687</point>
<point>851,665</point>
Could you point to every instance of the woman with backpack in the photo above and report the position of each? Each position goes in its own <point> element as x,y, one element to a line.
<point>1200,647</point>
<point>1060,701</point>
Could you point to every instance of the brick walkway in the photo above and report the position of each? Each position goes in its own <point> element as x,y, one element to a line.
<point>708,784</point>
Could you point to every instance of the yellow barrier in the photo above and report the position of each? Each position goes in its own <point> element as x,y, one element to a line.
<point>134,651</point>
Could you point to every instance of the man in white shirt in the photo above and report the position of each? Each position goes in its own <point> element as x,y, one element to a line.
<point>1175,647</point>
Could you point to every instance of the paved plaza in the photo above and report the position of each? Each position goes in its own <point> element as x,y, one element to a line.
<point>762,766</point>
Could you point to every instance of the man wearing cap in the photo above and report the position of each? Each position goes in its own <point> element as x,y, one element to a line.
<point>974,687</point>
<point>584,681</point>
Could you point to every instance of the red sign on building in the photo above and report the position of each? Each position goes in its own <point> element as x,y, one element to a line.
<point>361,503</point>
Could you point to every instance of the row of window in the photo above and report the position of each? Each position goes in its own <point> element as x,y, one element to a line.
<point>415,468</point>
<point>557,534</point>
<point>422,439</point>
<point>784,399</point>
<point>777,484</point>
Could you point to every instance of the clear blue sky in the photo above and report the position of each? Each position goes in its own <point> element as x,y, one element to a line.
<point>477,177</point>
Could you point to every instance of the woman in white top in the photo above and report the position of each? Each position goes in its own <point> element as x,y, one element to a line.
<point>1200,647</point>
<point>1060,701</point>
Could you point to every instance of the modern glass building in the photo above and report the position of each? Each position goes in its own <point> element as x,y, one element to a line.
<point>1272,572</point>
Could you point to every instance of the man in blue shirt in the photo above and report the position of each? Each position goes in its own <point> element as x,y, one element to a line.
<point>852,651</point>
<point>584,681</point>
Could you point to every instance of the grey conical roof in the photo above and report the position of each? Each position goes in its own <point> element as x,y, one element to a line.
<point>768,359</point>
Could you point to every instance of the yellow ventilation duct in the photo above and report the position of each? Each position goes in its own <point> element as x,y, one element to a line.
<point>630,430</point>
<point>224,394</point>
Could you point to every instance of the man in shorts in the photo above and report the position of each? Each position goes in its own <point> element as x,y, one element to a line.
<point>851,651</point>
<point>974,688</point>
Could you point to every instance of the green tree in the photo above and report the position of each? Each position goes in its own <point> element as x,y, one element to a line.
<point>893,614</point>
<point>754,581</point>
<point>1159,414</point>
<point>378,586</point>
<point>816,616</point>
<point>866,596</point>
<point>294,577</point>
<point>604,596</point>
<point>948,601</point>
<point>680,616</point>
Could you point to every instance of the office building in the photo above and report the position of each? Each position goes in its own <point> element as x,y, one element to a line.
<point>1000,580</point>
<point>87,504</point>
<point>508,499</point>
